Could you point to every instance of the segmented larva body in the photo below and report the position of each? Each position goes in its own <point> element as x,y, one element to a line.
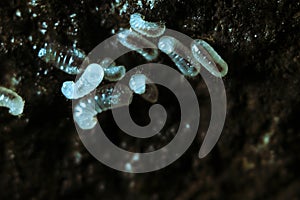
<point>89,81</point>
<point>137,83</point>
<point>85,113</point>
<point>149,29</point>
<point>107,97</point>
<point>142,85</point>
<point>180,55</point>
<point>136,42</point>
<point>12,101</point>
<point>209,58</point>
<point>113,96</point>
<point>112,72</point>
<point>67,59</point>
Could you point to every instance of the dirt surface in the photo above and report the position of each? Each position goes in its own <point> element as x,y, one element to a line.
<point>257,156</point>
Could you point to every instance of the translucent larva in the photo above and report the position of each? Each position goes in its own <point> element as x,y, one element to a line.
<point>149,29</point>
<point>107,97</point>
<point>209,58</point>
<point>67,59</point>
<point>89,81</point>
<point>85,113</point>
<point>106,62</point>
<point>112,96</point>
<point>12,101</point>
<point>137,83</point>
<point>140,84</point>
<point>151,93</point>
<point>112,72</point>
<point>136,42</point>
<point>180,55</point>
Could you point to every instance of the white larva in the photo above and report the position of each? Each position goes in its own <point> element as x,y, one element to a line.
<point>136,42</point>
<point>112,96</point>
<point>209,58</point>
<point>137,83</point>
<point>112,72</point>
<point>180,55</point>
<point>12,101</point>
<point>85,114</point>
<point>142,85</point>
<point>89,80</point>
<point>107,97</point>
<point>149,29</point>
<point>67,59</point>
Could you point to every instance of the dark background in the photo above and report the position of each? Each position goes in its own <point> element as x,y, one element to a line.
<point>257,156</point>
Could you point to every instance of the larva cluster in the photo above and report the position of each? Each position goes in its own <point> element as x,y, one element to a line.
<point>67,59</point>
<point>199,54</point>
<point>89,80</point>
<point>107,97</point>
<point>12,101</point>
<point>188,61</point>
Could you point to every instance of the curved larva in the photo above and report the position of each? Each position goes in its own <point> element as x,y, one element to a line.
<point>208,57</point>
<point>137,83</point>
<point>140,84</point>
<point>89,80</point>
<point>112,72</point>
<point>85,113</point>
<point>107,97</point>
<point>136,42</point>
<point>149,29</point>
<point>151,93</point>
<point>113,96</point>
<point>180,55</point>
<point>67,59</point>
<point>12,101</point>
